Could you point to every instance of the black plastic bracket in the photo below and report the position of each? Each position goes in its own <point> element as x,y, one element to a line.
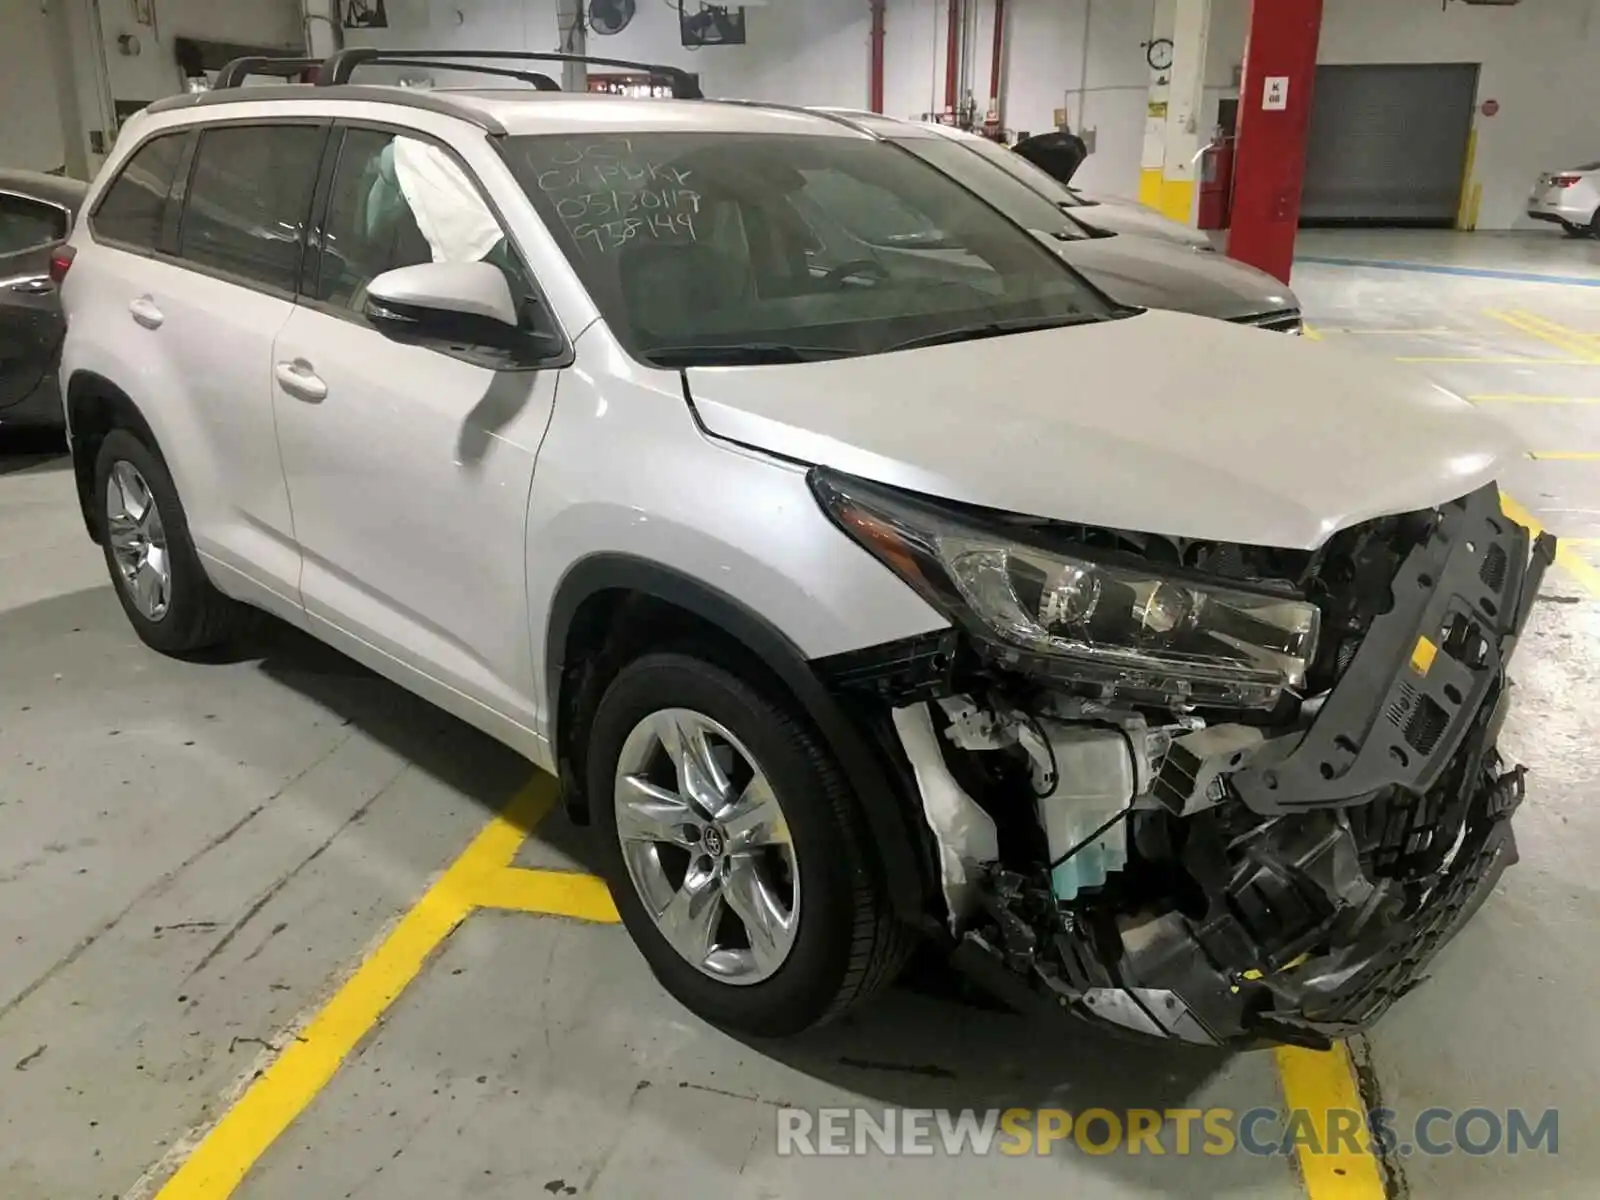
<point>235,72</point>
<point>1424,670</point>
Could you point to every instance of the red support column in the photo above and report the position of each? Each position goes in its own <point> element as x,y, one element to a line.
<point>952,59</point>
<point>1280,66</point>
<point>875,64</point>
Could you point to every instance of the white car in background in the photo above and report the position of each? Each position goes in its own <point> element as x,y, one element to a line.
<point>1570,199</point>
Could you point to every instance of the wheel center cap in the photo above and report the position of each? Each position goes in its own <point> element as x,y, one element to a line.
<point>712,839</point>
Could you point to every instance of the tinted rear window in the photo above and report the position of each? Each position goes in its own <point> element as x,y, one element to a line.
<point>249,199</point>
<point>133,205</point>
<point>29,225</point>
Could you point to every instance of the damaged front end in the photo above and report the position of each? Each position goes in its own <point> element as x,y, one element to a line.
<point>1211,792</point>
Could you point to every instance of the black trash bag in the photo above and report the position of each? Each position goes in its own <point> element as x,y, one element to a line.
<point>1058,153</point>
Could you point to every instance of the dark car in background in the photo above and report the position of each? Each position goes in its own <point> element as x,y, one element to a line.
<point>1131,268</point>
<point>36,214</point>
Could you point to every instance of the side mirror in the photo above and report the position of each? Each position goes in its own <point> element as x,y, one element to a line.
<point>465,310</point>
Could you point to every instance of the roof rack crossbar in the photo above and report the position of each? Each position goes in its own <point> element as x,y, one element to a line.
<point>234,73</point>
<point>339,67</point>
<point>540,81</point>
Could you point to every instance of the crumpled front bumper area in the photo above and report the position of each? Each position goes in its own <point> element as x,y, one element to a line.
<point>1347,853</point>
<point>1218,979</point>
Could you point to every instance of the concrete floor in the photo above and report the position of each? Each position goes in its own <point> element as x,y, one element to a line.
<point>193,855</point>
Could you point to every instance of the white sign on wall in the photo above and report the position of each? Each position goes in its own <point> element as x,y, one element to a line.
<point>1275,97</point>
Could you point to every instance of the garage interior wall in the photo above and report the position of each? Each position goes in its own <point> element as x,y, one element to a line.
<point>1082,55</point>
<point>1538,60</point>
<point>816,52</point>
<point>35,86</point>
<point>101,72</point>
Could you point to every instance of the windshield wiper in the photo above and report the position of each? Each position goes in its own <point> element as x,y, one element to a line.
<point>741,354</point>
<point>988,329</point>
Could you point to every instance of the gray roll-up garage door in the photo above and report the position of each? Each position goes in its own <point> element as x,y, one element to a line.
<point>1389,143</point>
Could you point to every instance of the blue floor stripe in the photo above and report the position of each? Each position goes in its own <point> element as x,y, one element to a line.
<point>1434,269</point>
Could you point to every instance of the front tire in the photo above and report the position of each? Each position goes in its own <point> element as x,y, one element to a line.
<point>735,850</point>
<point>163,588</point>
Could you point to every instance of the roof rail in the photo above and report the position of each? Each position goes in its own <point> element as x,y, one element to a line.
<point>234,73</point>
<point>339,67</point>
<point>419,98</point>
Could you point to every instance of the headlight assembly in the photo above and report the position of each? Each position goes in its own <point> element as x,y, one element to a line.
<point>1118,625</point>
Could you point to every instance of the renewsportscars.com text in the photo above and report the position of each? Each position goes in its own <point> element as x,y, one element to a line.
<point>1175,1131</point>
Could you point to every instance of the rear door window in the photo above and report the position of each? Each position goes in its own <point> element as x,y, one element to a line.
<point>249,200</point>
<point>132,209</point>
<point>28,224</point>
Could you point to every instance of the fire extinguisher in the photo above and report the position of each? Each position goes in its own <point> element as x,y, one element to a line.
<point>1216,182</point>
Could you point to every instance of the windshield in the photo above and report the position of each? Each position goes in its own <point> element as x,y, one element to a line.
<point>725,247</point>
<point>1016,199</point>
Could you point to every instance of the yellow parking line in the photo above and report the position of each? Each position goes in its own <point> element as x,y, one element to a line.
<point>1307,331</point>
<point>1556,328</point>
<point>1573,564</point>
<point>1565,455</point>
<point>281,1093</point>
<point>1319,1082</point>
<point>1545,330</point>
<point>1500,360</point>
<point>1521,398</point>
<point>1392,332</point>
<point>553,893</point>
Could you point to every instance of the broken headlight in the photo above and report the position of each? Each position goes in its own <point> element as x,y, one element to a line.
<point>1102,620</point>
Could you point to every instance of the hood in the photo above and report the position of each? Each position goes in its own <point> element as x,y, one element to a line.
<point>1159,422</point>
<point>1149,273</point>
<point>1117,215</point>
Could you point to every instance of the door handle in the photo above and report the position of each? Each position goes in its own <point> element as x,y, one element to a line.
<point>298,378</point>
<point>32,285</point>
<point>146,313</point>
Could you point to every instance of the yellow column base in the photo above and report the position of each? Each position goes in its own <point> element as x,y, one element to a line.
<point>1177,200</point>
<point>1150,187</point>
<point>1467,213</point>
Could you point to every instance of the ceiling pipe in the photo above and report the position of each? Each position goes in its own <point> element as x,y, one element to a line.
<point>997,65</point>
<point>952,58</point>
<point>875,69</point>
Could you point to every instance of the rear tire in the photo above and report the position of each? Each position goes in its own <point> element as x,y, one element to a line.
<point>154,567</point>
<point>1594,225</point>
<point>845,942</point>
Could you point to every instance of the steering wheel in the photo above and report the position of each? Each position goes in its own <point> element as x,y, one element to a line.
<point>856,267</point>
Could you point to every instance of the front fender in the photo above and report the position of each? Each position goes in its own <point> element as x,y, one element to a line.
<point>629,494</point>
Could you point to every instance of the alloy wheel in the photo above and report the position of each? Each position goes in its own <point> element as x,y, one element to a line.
<point>138,541</point>
<point>707,846</point>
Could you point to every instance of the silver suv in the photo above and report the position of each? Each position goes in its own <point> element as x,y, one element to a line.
<point>1150,665</point>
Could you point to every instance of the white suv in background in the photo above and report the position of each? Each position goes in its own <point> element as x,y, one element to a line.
<point>1570,199</point>
<point>1150,664</point>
